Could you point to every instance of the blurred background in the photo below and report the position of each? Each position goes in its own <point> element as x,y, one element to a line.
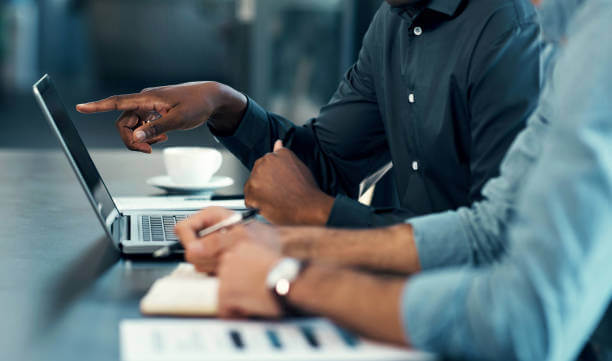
<point>287,54</point>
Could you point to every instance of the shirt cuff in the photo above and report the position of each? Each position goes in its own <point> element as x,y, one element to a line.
<point>430,306</point>
<point>249,132</point>
<point>348,213</point>
<point>441,240</point>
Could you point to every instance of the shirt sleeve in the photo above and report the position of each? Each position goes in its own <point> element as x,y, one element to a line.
<point>498,56</point>
<point>544,299</point>
<point>350,213</point>
<point>475,235</point>
<point>342,146</point>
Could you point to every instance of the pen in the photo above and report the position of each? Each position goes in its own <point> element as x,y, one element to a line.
<point>232,220</point>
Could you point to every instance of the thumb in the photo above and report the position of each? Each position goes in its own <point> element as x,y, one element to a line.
<point>168,122</point>
<point>278,145</point>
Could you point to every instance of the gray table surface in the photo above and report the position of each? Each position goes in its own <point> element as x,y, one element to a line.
<point>63,287</point>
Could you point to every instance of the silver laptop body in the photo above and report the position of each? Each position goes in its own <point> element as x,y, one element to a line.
<point>133,232</point>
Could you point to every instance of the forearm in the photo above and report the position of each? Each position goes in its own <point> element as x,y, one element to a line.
<point>390,249</point>
<point>367,304</point>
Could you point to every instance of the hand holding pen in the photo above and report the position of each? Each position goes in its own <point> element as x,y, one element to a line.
<point>234,219</point>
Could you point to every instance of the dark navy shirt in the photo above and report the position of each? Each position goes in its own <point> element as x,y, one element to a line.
<point>440,88</point>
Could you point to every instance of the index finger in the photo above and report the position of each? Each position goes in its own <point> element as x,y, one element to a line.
<point>126,102</point>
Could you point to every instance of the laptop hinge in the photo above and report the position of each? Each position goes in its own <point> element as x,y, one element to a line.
<point>128,227</point>
<point>120,227</point>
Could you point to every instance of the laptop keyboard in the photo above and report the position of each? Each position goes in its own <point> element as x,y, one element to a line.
<point>159,228</point>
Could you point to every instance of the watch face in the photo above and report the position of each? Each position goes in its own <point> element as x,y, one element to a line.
<point>287,269</point>
<point>282,287</point>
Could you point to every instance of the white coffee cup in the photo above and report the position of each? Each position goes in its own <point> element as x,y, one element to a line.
<point>191,166</point>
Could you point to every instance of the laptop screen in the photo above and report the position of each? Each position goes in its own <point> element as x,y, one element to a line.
<point>75,150</point>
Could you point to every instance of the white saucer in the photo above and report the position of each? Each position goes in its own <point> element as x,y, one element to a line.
<point>165,182</point>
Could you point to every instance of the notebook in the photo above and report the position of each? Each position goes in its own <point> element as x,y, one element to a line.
<point>184,292</point>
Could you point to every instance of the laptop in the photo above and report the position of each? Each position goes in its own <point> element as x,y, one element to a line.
<point>132,232</point>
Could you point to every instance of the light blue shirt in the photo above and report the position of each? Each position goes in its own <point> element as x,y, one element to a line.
<point>541,240</point>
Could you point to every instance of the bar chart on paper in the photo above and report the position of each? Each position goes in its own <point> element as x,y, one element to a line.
<point>218,340</point>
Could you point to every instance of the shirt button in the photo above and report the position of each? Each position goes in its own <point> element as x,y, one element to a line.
<point>418,30</point>
<point>411,97</point>
<point>415,165</point>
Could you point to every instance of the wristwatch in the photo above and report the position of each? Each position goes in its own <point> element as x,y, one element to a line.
<point>280,278</point>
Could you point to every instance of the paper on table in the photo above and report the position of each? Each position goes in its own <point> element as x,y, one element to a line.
<point>184,292</point>
<point>173,203</point>
<point>218,340</point>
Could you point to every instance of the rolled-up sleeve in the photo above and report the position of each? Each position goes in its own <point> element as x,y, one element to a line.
<point>441,240</point>
<point>545,298</point>
<point>475,235</point>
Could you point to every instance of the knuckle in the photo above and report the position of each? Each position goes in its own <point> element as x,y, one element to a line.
<point>224,306</point>
<point>254,173</point>
<point>250,203</point>
<point>264,159</point>
<point>179,228</point>
<point>114,99</point>
<point>254,187</point>
<point>189,256</point>
<point>152,130</point>
<point>202,268</point>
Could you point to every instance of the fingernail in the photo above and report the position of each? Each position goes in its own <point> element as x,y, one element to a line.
<point>139,135</point>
